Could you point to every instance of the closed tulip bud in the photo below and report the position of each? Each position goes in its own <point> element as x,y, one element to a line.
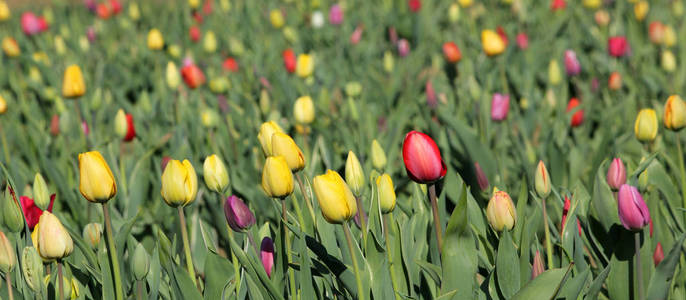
<point>578,116</point>
<point>215,174</point>
<point>422,158</point>
<point>388,61</point>
<point>53,240</point>
<point>284,145</point>
<point>335,198</point>
<point>209,43</point>
<point>120,126</point>
<point>41,194</point>
<point>194,33</point>
<point>675,113</point>
<point>238,215</point>
<point>592,4</point>
<point>572,65</point>
<point>554,77</point>
<point>73,85</point>
<point>172,76</point>
<point>140,263</point>
<point>633,212</point>
<point>403,47</point>
<point>11,212</point>
<point>219,85</point>
<point>617,46</point>
<point>336,14</point>
<point>92,233</point>
<point>645,127</point>
<point>656,32</point>
<point>96,181</point>
<point>289,60</point>
<point>304,65</point>
<point>267,129</point>
<point>192,76</point>
<point>194,4</point>
<point>10,47</point>
<point>134,11</point>
<point>3,105</point>
<point>500,105</point>
<point>537,268</point>
<point>602,18</point>
<point>669,38</point>
<point>616,174</point>
<point>8,259</point>
<point>558,5</point>
<point>267,255</point>
<point>481,178</point>
<point>677,8</point>
<point>4,11</point>
<point>317,19</point>
<point>277,179</point>
<point>454,13</point>
<point>155,39</point>
<point>658,254</point>
<point>641,10</point>
<point>668,61</point>
<point>276,18</point>
<point>230,64</point>
<point>500,211</point>
<point>378,156</point>
<point>451,52</point>
<point>236,46</point>
<point>492,43</point>
<point>32,268</point>
<point>179,183</point>
<point>354,174</point>
<point>522,41</point>
<point>615,81</point>
<point>303,110</point>
<point>542,180</point>
<point>386,193</point>
<point>32,24</point>
<point>465,3</point>
<point>174,51</point>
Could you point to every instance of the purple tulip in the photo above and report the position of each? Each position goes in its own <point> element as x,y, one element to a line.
<point>572,64</point>
<point>481,177</point>
<point>267,255</point>
<point>238,215</point>
<point>90,4</point>
<point>90,34</point>
<point>335,15</point>
<point>616,174</point>
<point>500,105</point>
<point>633,212</point>
<point>403,47</point>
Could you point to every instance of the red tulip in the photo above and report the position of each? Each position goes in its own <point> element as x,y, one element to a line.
<point>116,6</point>
<point>32,24</point>
<point>194,33</point>
<point>578,116</point>
<point>658,254</point>
<point>130,129</point>
<point>31,212</point>
<point>565,211</point>
<point>164,162</point>
<point>192,75</point>
<point>522,41</point>
<point>415,5</point>
<point>230,64</point>
<point>55,125</point>
<point>617,46</point>
<point>503,35</point>
<point>103,11</point>
<point>289,60</point>
<point>198,17</point>
<point>422,158</point>
<point>207,7</point>
<point>656,32</point>
<point>558,5</point>
<point>451,52</point>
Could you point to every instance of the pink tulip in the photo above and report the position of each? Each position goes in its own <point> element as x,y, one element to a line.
<point>84,127</point>
<point>403,47</point>
<point>31,24</point>
<point>658,254</point>
<point>572,65</point>
<point>617,46</point>
<point>267,255</point>
<point>336,15</point>
<point>90,34</point>
<point>522,41</point>
<point>633,212</point>
<point>537,267</point>
<point>500,105</point>
<point>616,174</point>
<point>357,35</point>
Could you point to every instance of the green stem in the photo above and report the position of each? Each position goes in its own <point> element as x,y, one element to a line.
<point>390,256</point>
<point>363,218</point>
<point>682,169</point>
<point>308,201</point>
<point>236,266</point>
<point>10,292</point>
<point>114,259</point>
<point>139,290</point>
<point>349,239</point>
<point>186,245</point>
<point>437,218</point>
<point>298,212</point>
<point>60,280</point>
<point>4,146</point>
<point>548,245</point>
<point>639,270</point>
<point>287,241</point>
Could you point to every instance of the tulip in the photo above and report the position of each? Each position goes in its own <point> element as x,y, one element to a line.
<point>289,60</point>
<point>669,39</point>
<point>335,198</point>
<point>378,155</point>
<point>53,240</point>
<point>209,43</point>
<point>572,65</point>
<point>267,129</point>
<point>403,47</point>
<point>481,178</point>
<point>32,24</point>
<point>284,145</point>
<point>615,81</point>
<point>219,85</point>
<point>658,254</point>
<point>194,4</point>
<point>96,181</point>
<point>3,105</point>
<point>386,193</point>
<point>522,41</point>
<point>430,95</point>
<point>55,125</point>
<point>267,255</point>
<point>500,211</point>
<point>10,47</point>
<point>465,3</point>
<point>356,36</point>
<point>542,180</point>
<point>668,61</point>
<point>565,212</point>
<point>617,46</point>
<point>155,39</point>
<point>537,267</point>
<point>645,127</point>
<point>556,5</point>
<point>454,13</point>
<point>277,179</point>
<point>174,50</point>
<point>675,113</point>
<point>276,18</point>
<point>73,85</point>
<point>415,5</point>
<point>215,174</point>
<point>32,212</point>
<point>230,64</point>
<point>92,233</point>
<point>179,183</point>
<point>140,263</point>
<point>8,258</point>
<point>422,158</point>
<point>592,4</point>
<point>388,61</point>
<point>354,174</point>
<point>578,116</point>
<point>641,10</point>
<point>103,11</point>
<point>32,268</point>
<point>238,215</point>
<point>336,14</point>
<point>172,76</point>
<point>40,192</point>
<point>317,19</point>
<point>503,35</point>
<point>451,52</point>
<point>500,105</point>
<point>616,174</point>
<point>192,75</point>
<point>116,6</point>
<point>602,18</point>
<point>633,212</point>
<point>123,126</point>
<point>656,32</point>
<point>194,33</point>
<point>492,43</point>
<point>303,110</point>
<point>554,77</point>
<point>304,65</point>
<point>4,11</point>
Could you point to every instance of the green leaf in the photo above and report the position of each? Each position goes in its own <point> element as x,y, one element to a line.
<point>218,273</point>
<point>597,284</point>
<point>660,282</point>
<point>507,266</point>
<point>459,260</point>
<point>545,286</point>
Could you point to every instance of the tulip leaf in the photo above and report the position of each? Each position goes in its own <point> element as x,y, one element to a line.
<point>459,260</point>
<point>660,282</point>
<point>218,271</point>
<point>597,284</point>
<point>255,270</point>
<point>507,265</point>
<point>306,279</point>
<point>544,286</point>
<point>108,290</point>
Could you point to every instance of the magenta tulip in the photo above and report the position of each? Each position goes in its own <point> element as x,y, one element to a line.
<point>336,15</point>
<point>267,255</point>
<point>422,158</point>
<point>238,215</point>
<point>617,46</point>
<point>572,65</point>
<point>403,47</point>
<point>633,212</point>
<point>616,174</point>
<point>500,105</point>
<point>32,24</point>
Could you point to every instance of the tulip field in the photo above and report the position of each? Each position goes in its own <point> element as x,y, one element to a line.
<point>342,149</point>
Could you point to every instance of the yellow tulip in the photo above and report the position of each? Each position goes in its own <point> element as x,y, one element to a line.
<point>388,61</point>
<point>134,11</point>
<point>641,10</point>
<point>454,13</point>
<point>155,39</point>
<point>193,4</point>
<point>500,211</point>
<point>265,136</point>
<point>284,145</point>
<point>172,76</point>
<point>73,85</point>
<point>354,174</point>
<point>92,233</point>
<point>669,36</point>
<point>215,174</point>
<point>96,181</point>
<point>386,192</point>
<point>209,42</point>
<point>53,240</point>
<point>675,113</point>
<point>668,61</point>
<point>7,257</point>
<point>492,43</point>
<point>303,110</point>
<point>304,65</point>
<point>10,47</point>
<point>645,127</point>
<point>335,198</point>
<point>466,3</point>
<point>378,156</point>
<point>554,76</point>
<point>4,11</point>
<point>277,179</point>
<point>276,17</point>
<point>179,183</point>
<point>60,46</point>
<point>120,124</point>
<point>174,50</point>
<point>3,105</point>
<point>592,4</point>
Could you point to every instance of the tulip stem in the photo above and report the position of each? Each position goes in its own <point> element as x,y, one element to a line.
<point>639,269</point>
<point>114,259</point>
<point>4,146</point>
<point>60,280</point>
<point>363,218</point>
<point>437,218</point>
<point>236,267</point>
<point>251,240</point>
<point>308,201</point>
<point>287,241</point>
<point>10,293</point>
<point>186,244</point>
<point>139,289</point>
<point>390,256</point>
<point>548,245</point>
<point>349,239</point>
<point>682,169</point>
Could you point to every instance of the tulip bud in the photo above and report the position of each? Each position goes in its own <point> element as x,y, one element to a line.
<point>53,240</point>
<point>451,52</point>
<point>675,113</point>
<point>403,47</point>
<point>267,255</point>
<point>73,85</point>
<point>500,105</point>
<point>641,10</point>
<point>354,174</point>
<point>96,181</point>
<point>174,51</point>
<point>140,263</point>
<point>4,11</point>
<point>134,11</point>
<point>92,233</point>
<point>238,215</point>
<point>592,4</point>
<point>267,129</point>
<point>422,158</point>
<point>317,19</point>
<point>465,3</point>
<point>303,110</point>
<point>32,268</point>
<point>656,32</point>
<point>658,254</point>
<point>120,126</point>
<point>172,76</point>
<point>179,183</point>
<point>378,155</point>
<point>669,38</point>
<point>194,4</point>
<point>492,43</point>
<point>32,24</point>
<point>645,127</point>
<point>215,174</point>
<point>388,61</point>
<point>572,65</point>
<point>554,77</point>
<point>192,75</point>
<point>8,258</point>
<point>542,180</point>
<point>209,43</point>
<point>615,81</point>
<point>335,198</point>
<point>617,46</point>
<point>219,85</point>
<point>284,145</point>
<point>3,105</point>
<point>41,194</point>
<point>10,47</point>
<point>557,5</point>
<point>500,211</point>
<point>276,18</point>
<point>616,174</point>
<point>236,46</point>
<point>11,212</point>
<point>633,212</point>
<point>289,60</point>
<point>155,39</point>
<point>336,14</point>
<point>578,116</point>
<point>304,65</point>
<point>481,178</point>
<point>277,179</point>
<point>386,193</point>
<point>538,266</point>
<point>668,61</point>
